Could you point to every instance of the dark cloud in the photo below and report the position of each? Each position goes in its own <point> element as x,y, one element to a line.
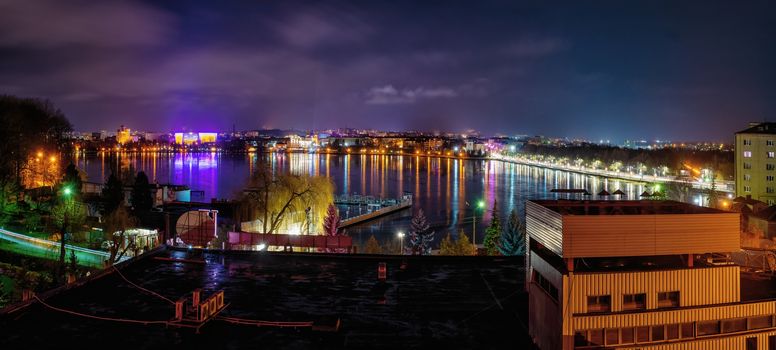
<point>600,70</point>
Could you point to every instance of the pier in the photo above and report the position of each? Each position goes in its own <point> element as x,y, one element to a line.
<point>376,207</point>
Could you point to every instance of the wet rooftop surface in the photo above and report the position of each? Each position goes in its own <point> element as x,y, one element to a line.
<point>473,302</point>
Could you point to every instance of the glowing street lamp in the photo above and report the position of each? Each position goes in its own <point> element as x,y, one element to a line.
<point>67,191</point>
<point>401,240</point>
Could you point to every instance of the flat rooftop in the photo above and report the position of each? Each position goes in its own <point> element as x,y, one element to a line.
<point>623,207</point>
<point>456,302</point>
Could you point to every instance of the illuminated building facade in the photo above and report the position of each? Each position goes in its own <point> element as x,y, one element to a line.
<point>189,138</point>
<point>755,153</point>
<point>642,275</point>
<point>123,135</point>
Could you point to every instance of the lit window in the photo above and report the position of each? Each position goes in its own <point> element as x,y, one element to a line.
<point>771,154</point>
<point>747,188</point>
<point>634,301</point>
<point>599,303</point>
<point>747,154</point>
<point>747,177</point>
<point>668,299</point>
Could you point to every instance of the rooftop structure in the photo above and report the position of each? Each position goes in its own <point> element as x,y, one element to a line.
<point>439,302</point>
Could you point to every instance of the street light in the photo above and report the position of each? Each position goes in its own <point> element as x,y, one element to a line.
<point>480,205</point>
<point>401,244</point>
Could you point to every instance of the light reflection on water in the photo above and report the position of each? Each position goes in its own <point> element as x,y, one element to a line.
<point>440,186</point>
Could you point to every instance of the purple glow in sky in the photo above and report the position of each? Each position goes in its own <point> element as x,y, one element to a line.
<point>690,70</point>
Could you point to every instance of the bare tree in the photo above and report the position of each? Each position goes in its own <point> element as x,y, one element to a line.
<point>116,225</point>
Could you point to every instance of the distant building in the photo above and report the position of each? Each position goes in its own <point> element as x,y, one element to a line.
<point>123,135</point>
<point>189,138</point>
<point>755,154</point>
<point>642,275</point>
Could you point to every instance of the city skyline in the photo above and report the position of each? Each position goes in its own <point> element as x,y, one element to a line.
<point>689,71</point>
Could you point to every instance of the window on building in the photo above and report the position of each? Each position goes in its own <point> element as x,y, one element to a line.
<point>769,190</point>
<point>688,330</point>
<point>747,154</point>
<point>672,331</point>
<point>668,299</point>
<point>545,284</point>
<point>747,142</point>
<point>658,333</point>
<point>767,178</point>
<point>771,154</point>
<point>599,303</point>
<point>769,166</point>
<point>626,335</point>
<point>751,343</point>
<point>747,177</point>
<point>595,337</point>
<point>770,202</point>
<point>708,328</point>
<point>642,334</point>
<point>613,336</point>
<point>747,188</point>
<point>769,142</point>
<point>634,301</point>
<point>761,322</point>
<point>747,165</point>
<point>734,325</point>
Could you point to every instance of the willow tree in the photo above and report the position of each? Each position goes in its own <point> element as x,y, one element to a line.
<point>277,199</point>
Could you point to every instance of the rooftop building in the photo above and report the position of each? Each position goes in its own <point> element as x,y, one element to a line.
<point>642,274</point>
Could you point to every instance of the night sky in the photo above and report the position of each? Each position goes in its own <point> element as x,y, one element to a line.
<point>683,70</point>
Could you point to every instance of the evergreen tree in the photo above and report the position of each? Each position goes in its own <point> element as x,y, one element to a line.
<point>331,221</point>
<point>372,247</point>
<point>141,194</point>
<point>447,246</point>
<point>420,235</point>
<point>463,246</point>
<point>112,194</point>
<point>493,232</point>
<point>513,239</point>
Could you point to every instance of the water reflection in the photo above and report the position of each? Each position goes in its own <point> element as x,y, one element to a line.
<point>440,186</point>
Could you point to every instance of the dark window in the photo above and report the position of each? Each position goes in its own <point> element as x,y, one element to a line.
<point>658,333</point>
<point>545,284</point>
<point>772,342</point>
<point>626,336</point>
<point>596,337</point>
<point>612,336</point>
<point>688,330</point>
<point>734,325</point>
<point>708,328</point>
<point>634,301</point>
<point>761,322</point>
<point>769,167</point>
<point>580,338</point>
<point>599,303</point>
<point>642,334</point>
<point>751,343</point>
<point>672,331</point>
<point>668,299</point>
<point>747,165</point>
